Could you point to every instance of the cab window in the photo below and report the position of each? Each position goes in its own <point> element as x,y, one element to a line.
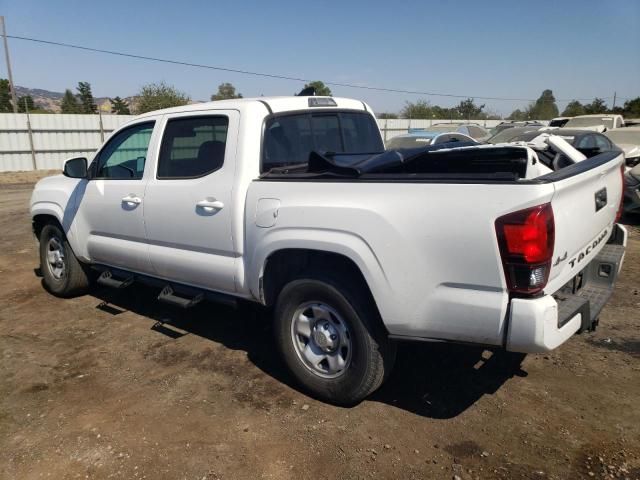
<point>192,147</point>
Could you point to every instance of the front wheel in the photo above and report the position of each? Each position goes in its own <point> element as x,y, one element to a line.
<point>331,340</point>
<point>63,275</point>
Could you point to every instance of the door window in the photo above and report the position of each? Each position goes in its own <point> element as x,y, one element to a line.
<point>124,156</point>
<point>193,147</point>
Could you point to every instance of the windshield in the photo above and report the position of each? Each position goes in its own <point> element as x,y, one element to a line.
<point>498,128</point>
<point>288,139</point>
<point>509,134</point>
<point>620,136</point>
<point>408,142</point>
<point>589,122</point>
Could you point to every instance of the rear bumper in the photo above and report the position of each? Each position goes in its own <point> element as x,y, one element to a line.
<point>544,323</point>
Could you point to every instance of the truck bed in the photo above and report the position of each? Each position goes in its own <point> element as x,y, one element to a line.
<point>425,238</point>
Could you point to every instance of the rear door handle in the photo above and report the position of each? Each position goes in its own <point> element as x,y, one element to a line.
<point>210,205</point>
<point>132,199</point>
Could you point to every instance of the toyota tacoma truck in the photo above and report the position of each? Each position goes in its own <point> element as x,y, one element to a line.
<point>292,203</point>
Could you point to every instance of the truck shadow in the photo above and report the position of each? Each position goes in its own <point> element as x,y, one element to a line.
<point>440,380</point>
<point>434,380</point>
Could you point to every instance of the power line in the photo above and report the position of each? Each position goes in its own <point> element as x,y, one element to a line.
<point>281,77</point>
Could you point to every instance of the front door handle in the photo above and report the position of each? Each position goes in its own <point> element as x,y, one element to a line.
<point>210,205</point>
<point>132,199</point>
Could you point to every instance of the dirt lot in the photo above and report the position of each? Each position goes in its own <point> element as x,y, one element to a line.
<point>115,385</point>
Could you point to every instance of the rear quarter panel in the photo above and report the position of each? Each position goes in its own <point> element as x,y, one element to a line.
<point>428,251</point>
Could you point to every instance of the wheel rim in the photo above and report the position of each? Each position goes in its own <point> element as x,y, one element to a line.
<point>322,339</point>
<point>55,258</point>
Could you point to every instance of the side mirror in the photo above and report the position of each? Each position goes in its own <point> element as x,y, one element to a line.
<point>75,168</point>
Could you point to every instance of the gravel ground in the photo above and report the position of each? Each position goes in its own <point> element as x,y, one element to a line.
<point>116,385</point>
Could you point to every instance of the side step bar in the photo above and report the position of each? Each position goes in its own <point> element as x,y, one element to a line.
<point>177,294</point>
<point>107,279</point>
<point>168,295</point>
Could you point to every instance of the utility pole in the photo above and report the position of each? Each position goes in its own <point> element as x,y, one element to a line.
<point>614,101</point>
<point>6,54</point>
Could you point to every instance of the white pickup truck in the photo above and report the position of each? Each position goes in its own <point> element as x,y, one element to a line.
<point>291,202</point>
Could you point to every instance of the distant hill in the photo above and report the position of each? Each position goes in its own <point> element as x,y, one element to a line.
<point>49,100</point>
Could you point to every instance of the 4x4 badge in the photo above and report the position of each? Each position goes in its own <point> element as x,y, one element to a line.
<point>560,259</point>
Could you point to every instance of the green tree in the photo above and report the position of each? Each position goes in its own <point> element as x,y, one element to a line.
<point>438,112</point>
<point>155,96</point>
<point>468,109</point>
<point>119,106</point>
<point>597,106</point>
<point>574,108</point>
<point>225,92</point>
<point>28,100</point>
<point>420,109</point>
<point>5,96</point>
<point>632,108</point>
<point>544,108</point>
<point>389,115</point>
<point>321,89</point>
<point>518,115</point>
<point>87,105</point>
<point>69,103</point>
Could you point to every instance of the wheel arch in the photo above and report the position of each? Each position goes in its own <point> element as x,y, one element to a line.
<point>285,264</point>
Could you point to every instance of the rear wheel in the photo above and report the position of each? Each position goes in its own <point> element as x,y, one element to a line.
<point>331,340</point>
<point>63,275</point>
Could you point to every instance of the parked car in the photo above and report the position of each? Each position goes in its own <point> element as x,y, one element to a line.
<point>512,124</point>
<point>632,190</point>
<point>628,139</point>
<point>559,122</point>
<point>251,200</point>
<point>588,142</point>
<point>475,131</point>
<point>423,138</point>
<point>506,135</point>
<point>600,122</point>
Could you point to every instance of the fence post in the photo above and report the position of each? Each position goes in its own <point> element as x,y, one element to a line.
<point>33,152</point>
<point>101,128</point>
<point>386,128</point>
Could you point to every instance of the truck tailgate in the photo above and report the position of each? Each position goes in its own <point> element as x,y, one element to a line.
<point>585,204</point>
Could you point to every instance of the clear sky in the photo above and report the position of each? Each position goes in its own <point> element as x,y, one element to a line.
<point>577,48</point>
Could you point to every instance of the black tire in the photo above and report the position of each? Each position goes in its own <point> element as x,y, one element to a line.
<point>372,353</point>
<point>73,280</point>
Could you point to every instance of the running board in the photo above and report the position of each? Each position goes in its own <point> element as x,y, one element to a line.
<point>168,295</point>
<point>107,279</point>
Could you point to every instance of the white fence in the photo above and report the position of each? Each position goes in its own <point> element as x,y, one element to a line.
<point>40,142</point>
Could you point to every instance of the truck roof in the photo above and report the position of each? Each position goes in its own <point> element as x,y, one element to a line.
<point>273,104</point>
<point>605,115</point>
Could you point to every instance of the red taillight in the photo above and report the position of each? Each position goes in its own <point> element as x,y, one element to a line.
<point>621,206</point>
<point>526,240</point>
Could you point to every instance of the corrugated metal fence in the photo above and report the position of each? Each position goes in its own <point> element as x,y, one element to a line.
<point>41,142</point>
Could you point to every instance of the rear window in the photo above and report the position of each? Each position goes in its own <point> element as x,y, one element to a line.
<point>288,139</point>
<point>589,122</point>
<point>476,132</point>
<point>408,142</point>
